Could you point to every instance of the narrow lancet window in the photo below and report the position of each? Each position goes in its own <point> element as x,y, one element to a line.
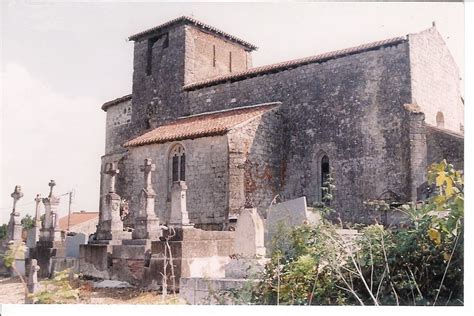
<point>178,163</point>
<point>325,185</point>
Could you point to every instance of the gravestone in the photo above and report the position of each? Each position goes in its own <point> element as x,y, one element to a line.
<point>147,224</point>
<point>14,225</point>
<point>179,214</point>
<point>31,238</point>
<point>73,244</point>
<point>110,224</point>
<point>34,232</point>
<point>249,234</point>
<point>286,215</point>
<point>32,282</point>
<point>51,231</point>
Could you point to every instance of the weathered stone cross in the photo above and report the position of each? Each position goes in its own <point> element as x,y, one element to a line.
<point>112,170</point>
<point>147,168</point>
<point>51,183</point>
<point>37,213</point>
<point>16,195</point>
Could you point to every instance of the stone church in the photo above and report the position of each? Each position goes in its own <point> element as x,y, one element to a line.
<point>373,117</point>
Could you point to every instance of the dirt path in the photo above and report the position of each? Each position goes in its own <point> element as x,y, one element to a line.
<point>12,292</point>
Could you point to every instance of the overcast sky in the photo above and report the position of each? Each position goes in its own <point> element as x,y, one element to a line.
<point>61,61</point>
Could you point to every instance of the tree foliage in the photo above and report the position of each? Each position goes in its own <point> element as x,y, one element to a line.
<point>27,222</point>
<point>3,231</point>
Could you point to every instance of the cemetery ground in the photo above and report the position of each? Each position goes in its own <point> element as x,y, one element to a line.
<point>12,292</point>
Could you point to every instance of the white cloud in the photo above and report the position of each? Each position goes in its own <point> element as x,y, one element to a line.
<point>46,135</point>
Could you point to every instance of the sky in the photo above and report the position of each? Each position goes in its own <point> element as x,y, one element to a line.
<point>61,61</point>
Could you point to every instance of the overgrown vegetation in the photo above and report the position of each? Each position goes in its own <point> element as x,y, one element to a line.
<point>3,231</point>
<point>418,263</point>
<point>58,290</point>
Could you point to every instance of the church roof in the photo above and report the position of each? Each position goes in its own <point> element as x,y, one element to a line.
<point>108,104</point>
<point>199,24</point>
<point>201,125</point>
<point>77,218</point>
<point>285,65</point>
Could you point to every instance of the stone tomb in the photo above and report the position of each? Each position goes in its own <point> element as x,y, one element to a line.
<point>194,253</point>
<point>244,267</point>
<point>72,244</point>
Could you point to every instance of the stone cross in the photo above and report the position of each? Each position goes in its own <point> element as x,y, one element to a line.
<point>37,212</point>
<point>32,283</point>
<point>112,170</point>
<point>110,224</point>
<point>51,231</point>
<point>147,224</point>
<point>51,184</point>
<point>14,225</point>
<point>147,168</point>
<point>179,214</point>
<point>16,195</point>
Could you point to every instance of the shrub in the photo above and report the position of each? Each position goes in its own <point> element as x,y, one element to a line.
<point>418,264</point>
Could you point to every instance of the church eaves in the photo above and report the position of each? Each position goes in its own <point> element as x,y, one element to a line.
<point>199,24</point>
<point>273,68</point>
<point>108,104</point>
<point>202,125</point>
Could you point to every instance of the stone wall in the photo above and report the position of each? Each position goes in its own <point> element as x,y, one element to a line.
<point>209,56</point>
<point>118,125</point>
<point>255,163</point>
<point>443,144</point>
<point>350,109</point>
<point>435,79</point>
<point>206,178</point>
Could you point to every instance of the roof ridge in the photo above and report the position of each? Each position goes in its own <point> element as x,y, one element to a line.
<point>201,125</point>
<point>196,22</point>
<point>297,62</point>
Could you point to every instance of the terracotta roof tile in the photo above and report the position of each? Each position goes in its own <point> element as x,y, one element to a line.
<point>77,218</point>
<point>201,125</point>
<point>258,71</point>
<point>187,19</point>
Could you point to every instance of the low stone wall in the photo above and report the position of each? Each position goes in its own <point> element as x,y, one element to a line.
<point>199,291</point>
<point>61,264</point>
<point>194,252</point>
<point>94,260</point>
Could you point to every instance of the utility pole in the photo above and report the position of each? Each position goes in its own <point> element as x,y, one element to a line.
<point>71,193</point>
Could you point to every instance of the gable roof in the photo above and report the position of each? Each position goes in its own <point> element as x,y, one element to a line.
<point>77,218</point>
<point>285,65</point>
<point>199,24</point>
<point>201,125</point>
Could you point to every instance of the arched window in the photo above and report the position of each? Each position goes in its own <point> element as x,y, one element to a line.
<point>440,120</point>
<point>324,179</point>
<point>177,161</point>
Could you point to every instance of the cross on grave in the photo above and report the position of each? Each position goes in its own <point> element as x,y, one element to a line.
<point>51,184</point>
<point>147,168</point>
<point>112,170</point>
<point>37,212</point>
<point>16,195</point>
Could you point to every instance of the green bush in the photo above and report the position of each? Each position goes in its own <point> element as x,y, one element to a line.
<point>420,263</point>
